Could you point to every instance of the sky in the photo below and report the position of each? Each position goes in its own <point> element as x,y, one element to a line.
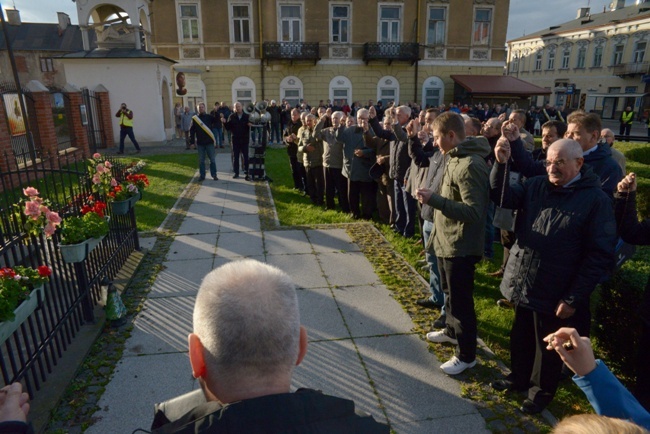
<point>526,16</point>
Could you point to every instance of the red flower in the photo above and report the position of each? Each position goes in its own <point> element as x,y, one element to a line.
<point>44,271</point>
<point>7,273</point>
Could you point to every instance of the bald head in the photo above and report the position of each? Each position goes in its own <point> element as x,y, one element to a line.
<point>563,161</point>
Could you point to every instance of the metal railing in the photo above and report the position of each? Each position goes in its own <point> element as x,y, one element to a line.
<point>292,51</point>
<point>631,69</point>
<point>407,51</point>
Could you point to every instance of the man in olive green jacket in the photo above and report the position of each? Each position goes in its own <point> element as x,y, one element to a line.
<point>458,233</point>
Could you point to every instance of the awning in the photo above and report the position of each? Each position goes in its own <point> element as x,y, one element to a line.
<point>616,95</point>
<point>498,85</point>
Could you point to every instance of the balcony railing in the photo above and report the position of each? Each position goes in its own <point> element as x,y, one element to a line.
<point>409,52</point>
<point>630,69</point>
<point>292,51</point>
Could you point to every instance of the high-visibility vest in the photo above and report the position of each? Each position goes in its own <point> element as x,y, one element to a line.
<point>124,120</point>
<point>627,117</point>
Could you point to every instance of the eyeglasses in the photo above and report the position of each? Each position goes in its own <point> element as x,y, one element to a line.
<point>557,163</point>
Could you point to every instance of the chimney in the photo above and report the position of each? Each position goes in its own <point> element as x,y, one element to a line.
<point>617,4</point>
<point>13,16</point>
<point>64,21</point>
<point>583,12</point>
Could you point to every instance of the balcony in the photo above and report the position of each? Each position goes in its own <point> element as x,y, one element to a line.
<point>292,51</point>
<point>631,69</point>
<point>404,52</point>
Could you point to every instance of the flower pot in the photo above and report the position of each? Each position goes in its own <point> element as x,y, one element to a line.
<point>121,207</point>
<point>134,199</point>
<point>94,242</point>
<point>22,312</point>
<point>72,253</point>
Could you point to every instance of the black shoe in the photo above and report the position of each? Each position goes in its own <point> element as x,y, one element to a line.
<point>120,152</point>
<point>529,407</point>
<point>428,303</point>
<point>441,322</point>
<point>215,178</point>
<point>507,385</point>
<point>247,178</point>
<point>202,178</point>
<point>235,176</point>
<point>137,151</point>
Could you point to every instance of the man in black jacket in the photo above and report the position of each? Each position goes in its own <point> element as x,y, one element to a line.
<point>240,130</point>
<point>566,235</point>
<point>201,134</point>
<point>243,355</point>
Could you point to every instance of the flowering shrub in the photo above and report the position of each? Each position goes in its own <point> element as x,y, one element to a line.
<point>95,206</point>
<point>136,167</point>
<point>77,229</point>
<point>141,181</point>
<point>39,217</point>
<point>100,172</point>
<point>123,192</point>
<point>16,284</point>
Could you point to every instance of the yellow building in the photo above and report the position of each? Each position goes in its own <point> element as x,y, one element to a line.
<point>312,50</point>
<point>596,62</point>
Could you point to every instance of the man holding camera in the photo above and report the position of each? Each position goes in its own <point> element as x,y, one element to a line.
<point>126,128</point>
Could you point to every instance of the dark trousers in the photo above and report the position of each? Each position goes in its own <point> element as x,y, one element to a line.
<point>127,131</point>
<point>532,364</point>
<point>457,279</point>
<point>336,185</point>
<point>298,173</point>
<point>624,130</point>
<point>315,184</point>
<point>508,240</point>
<point>404,210</point>
<point>237,150</point>
<point>385,195</point>
<point>361,192</point>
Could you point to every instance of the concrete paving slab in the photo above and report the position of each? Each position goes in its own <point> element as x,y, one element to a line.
<point>303,269</point>
<point>234,244</point>
<point>334,368</point>
<point>410,383</point>
<point>137,384</point>
<point>370,311</point>
<point>240,223</point>
<point>320,315</point>
<point>184,247</point>
<point>199,224</point>
<point>147,242</point>
<point>241,194</point>
<point>161,327</point>
<point>219,260</point>
<point>238,207</point>
<point>348,269</point>
<point>176,279</point>
<point>206,209</point>
<point>205,196</point>
<point>331,240</point>
<point>286,242</point>
<point>458,424</point>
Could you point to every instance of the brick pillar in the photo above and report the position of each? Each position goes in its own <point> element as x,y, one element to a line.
<point>5,139</point>
<point>40,119</point>
<point>78,133</point>
<point>105,116</point>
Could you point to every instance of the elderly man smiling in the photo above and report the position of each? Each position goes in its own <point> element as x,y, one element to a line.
<point>565,243</point>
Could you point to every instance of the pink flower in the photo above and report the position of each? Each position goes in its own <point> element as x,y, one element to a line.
<point>108,164</point>
<point>100,168</point>
<point>49,229</point>
<point>132,188</point>
<point>113,182</point>
<point>97,155</point>
<point>30,192</point>
<point>53,217</point>
<point>96,179</point>
<point>33,209</point>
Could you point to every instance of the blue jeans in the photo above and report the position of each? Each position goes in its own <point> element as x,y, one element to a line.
<point>437,296</point>
<point>218,136</point>
<point>276,133</point>
<point>209,150</point>
<point>488,249</point>
<point>128,131</point>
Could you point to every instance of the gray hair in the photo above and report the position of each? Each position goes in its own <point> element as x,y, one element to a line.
<point>570,148</point>
<point>246,316</point>
<point>405,109</point>
<point>338,114</point>
<point>362,111</point>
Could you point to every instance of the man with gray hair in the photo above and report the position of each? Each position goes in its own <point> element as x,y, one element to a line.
<point>243,355</point>
<point>566,234</point>
<point>335,182</point>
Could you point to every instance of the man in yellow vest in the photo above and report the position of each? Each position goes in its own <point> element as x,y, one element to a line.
<point>126,127</point>
<point>626,123</point>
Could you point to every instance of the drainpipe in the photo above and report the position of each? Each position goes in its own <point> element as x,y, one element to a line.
<point>417,39</point>
<point>261,30</point>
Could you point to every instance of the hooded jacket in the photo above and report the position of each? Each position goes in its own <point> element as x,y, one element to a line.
<point>461,205</point>
<point>565,240</point>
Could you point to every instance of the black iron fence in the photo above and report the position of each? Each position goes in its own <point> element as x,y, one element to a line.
<point>32,352</point>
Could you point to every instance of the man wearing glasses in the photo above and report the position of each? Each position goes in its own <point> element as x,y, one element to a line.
<point>566,235</point>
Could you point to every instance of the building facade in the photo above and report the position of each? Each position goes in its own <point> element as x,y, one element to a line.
<point>596,62</point>
<point>312,50</point>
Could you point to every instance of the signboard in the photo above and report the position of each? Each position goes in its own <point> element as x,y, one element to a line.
<point>188,84</point>
<point>570,88</point>
<point>645,78</point>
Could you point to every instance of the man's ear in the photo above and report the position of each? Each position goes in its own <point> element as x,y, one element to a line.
<point>581,161</point>
<point>303,345</point>
<point>197,361</point>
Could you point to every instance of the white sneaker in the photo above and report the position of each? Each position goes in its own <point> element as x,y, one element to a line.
<point>441,337</point>
<point>455,366</point>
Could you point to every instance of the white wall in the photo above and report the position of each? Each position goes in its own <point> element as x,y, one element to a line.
<point>136,82</point>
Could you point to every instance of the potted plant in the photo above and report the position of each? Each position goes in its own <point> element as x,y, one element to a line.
<point>21,291</point>
<point>121,198</point>
<point>100,174</point>
<point>36,213</point>
<point>81,234</point>
<point>139,180</point>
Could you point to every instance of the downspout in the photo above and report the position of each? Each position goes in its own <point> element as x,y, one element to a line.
<point>261,30</point>
<point>417,39</point>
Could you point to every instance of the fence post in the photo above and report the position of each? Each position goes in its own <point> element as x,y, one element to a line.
<point>5,139</point>
<point>42,115</point>
<point>106,116</point>
<point>73,114</point>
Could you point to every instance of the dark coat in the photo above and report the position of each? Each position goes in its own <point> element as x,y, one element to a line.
<point>355,168</point>
<point>239,129</point>
<point>292,148</point>
<point>197,135</point>
<point>565,239</point>
<point>400,161</point>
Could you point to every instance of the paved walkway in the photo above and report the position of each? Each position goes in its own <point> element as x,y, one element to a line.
<point>361,342</point>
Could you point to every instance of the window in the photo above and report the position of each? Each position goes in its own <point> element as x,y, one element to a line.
<point>551,60</point>
<point>538,60</point>
<point>340,91</point>
<point>598,56</point>
<point>631,89</point>
<point>432,97</point>
<point>340,24</point>
<point>291,23</point>
<point>514,63</point>
<point>613,90</point>
<point>291,90</point>
<point>190,23</point>
<point>618,54</point>
<point>47,64</point>
<point>582,55</point>
<point>244,96</point>
<point>566,55</point>
<point>292,96</point>
<point>482,22</point>
<point>241,23</point>
<point>639,52</point>
<point>436,29</point>
<point>433,92</point>
<point>389,23</point>
<point>243,90</point>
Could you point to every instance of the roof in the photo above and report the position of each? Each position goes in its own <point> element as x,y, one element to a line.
<point>498,85</point>
<point>44,37</point>
<point>115,53</point>
<point>625,14</point>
